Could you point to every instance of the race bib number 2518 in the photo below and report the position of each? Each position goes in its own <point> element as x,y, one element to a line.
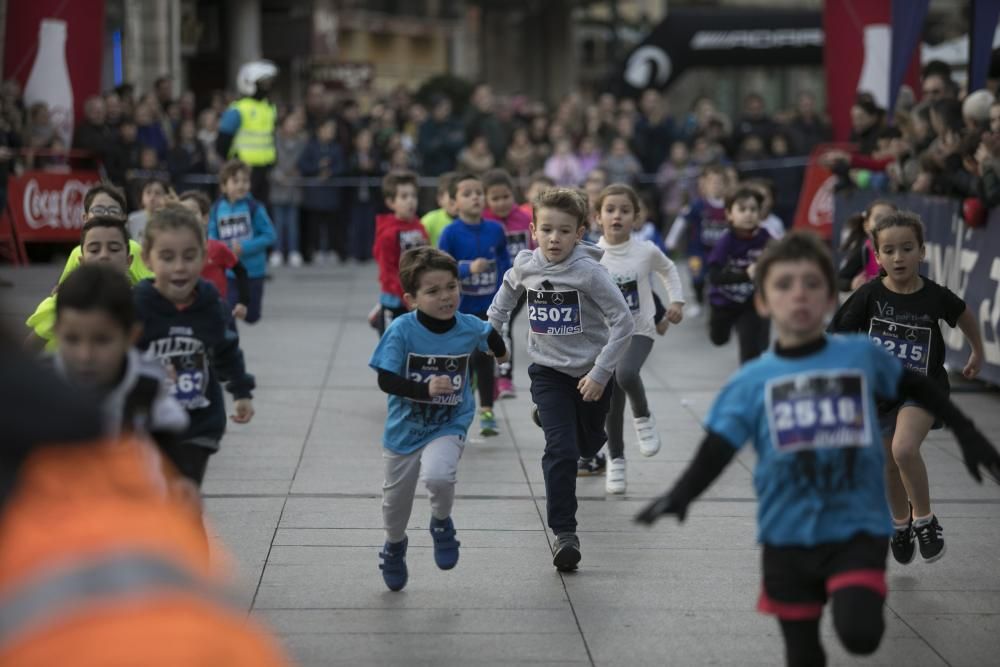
<point>818,410</point>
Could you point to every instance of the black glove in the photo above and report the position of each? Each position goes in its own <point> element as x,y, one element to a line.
<point>977,451</point>
<point>665,504</point>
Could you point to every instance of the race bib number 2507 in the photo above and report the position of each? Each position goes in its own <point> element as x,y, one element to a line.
<point>554,313</point>
<point>819,410</point>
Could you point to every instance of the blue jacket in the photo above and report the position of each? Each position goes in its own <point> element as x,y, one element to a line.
<point>197,345</point>
<point>318,197</point>
<point>245,221</point>
<point>466,243</point>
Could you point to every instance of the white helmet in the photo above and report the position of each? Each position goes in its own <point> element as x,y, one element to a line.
<point>252,72</point>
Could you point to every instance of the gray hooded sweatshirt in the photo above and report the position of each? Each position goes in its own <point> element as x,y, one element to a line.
<point>579,322</point>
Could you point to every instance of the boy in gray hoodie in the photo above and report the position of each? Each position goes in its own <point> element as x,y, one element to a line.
<point>579,328</point>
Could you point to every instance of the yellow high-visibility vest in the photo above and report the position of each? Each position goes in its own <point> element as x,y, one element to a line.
<point>254,141</point>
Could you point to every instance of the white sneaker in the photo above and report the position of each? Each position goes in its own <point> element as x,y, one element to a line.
<point>295,259</point>
<point>614,478</point>
<point>649,437</point>
<point>277,260</point>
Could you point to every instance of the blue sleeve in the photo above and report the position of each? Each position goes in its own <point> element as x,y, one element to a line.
<point>390,354</point>
<point>263,232</point>
<point>213,223</point>
<point>484,335</point>
<point>230,121</point>
<point>886,370</point>
<point>503,255</point>
<point>445,243</point>
<point>731,416</point>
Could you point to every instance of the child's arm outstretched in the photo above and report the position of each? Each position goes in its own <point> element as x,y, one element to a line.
<point>967,323</point>
<point>505,299</point>
<point>263,233</point>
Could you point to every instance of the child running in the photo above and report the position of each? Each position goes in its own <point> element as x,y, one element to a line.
<point>631,262</point>
<point>480,247</point>
<point>705,221</point>
<point>500,206</point>
<point>395,233</point>
<point>808,406</point>
<point>423,364</point>
<point>242,223</point>
<point>219,258</point>
<point>96,327</point>
<point>579,329</point>
<point>185,329</point>
<point>900,311</point>
<point>731,265</point>
<point>435,221</point>
<point>859,264</point>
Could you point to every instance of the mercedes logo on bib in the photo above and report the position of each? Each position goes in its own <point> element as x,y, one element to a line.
<point>451,365</point>
<point>557,298</point>
<point>911,335</point>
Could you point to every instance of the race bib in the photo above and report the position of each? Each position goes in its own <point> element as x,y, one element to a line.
<point>481,284</point>
<point>517,241</point>
<point>712,231</point>
<point>421,368</point>
<point>821,410</point>
<point>411,239</point>
<point>190,380</point>
<point>909,344</point>
<point>630,290</point>
<point>235,227</point>
<point>555,313</point>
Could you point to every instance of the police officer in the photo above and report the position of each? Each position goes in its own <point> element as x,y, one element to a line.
<point>246,129</point>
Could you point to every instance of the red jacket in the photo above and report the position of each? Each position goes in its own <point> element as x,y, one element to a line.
<point>393,237</point>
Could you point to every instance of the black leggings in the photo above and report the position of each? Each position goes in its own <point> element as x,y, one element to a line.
<point>484,365</point>
<point>752,330</point>
<point>189,459</point>
<point>857,618</point>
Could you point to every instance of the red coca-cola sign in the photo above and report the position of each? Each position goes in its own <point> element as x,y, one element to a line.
<point>48,207</point>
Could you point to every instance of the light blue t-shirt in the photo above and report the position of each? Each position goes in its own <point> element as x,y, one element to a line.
<point>410,349</point>
<point>812,420</point>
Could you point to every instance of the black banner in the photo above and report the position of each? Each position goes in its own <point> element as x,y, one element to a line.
<point>722,37</point>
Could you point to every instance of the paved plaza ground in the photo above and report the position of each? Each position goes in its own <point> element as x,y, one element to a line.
<point>295,495</point>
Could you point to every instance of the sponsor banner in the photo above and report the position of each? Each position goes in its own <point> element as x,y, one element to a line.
<point>815,208</point>
<point>964,259</point>
<point>48,207</point>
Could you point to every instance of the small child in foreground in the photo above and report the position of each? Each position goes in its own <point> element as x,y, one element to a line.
<point>423,363</point>
<point>808,406</point>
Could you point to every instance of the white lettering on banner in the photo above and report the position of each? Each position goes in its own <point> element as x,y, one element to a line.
<point>952,266</point>
<point>821,206</point>
<point>756,39</point>
<point>55,208</point>
<point>989,318</point>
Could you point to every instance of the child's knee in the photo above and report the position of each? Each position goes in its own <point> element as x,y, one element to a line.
<point>905,452</point>
<point>858,619</point>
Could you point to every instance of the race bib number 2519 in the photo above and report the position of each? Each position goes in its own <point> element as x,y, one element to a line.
<point>421,368</point>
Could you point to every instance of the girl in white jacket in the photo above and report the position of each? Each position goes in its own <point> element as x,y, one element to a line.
<point>632,263</point>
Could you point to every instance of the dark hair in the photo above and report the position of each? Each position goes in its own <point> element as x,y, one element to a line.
<point>444,182</point>
<point>417,261</point>
<point>761,184</point>
<point>796,246</point>
<point>98,287</point>
<point>111,190</point>
<point>743,193</point>
<point>231,168</point>
<point>495,177</point>
<point>170,218</point>
<point>936,68</point>
<point>567,200</point>
<point>394,179</point>
<point>104,221</point>
<point>198,197</point>
<point>890,132</point>
<point>899,219</point>
<point>618,189</point>
<point>855,225</point>
<point>460,177</point>
<point>154,181</point>
<point>713,168</point>
<point>541,177</point>
<point>950,112</point>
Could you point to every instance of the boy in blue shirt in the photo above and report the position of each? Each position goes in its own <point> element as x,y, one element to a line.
<point>242,223</point>
<point>809,408</point>
<point>423,364</point>
<point>480,246</point>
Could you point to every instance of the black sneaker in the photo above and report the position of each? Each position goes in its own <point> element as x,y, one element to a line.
<point>592,466</point>
<point>903,544</point>
<point>566,552</point>
<point>930,536</point>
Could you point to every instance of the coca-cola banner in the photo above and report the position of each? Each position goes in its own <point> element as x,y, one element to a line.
<point>815,209</point>
<point>48,207</point>
<point>54,49</point>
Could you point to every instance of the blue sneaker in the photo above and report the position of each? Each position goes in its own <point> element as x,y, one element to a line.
<point>393,567</point>
<point>487,423</point>
<point>445,544</point>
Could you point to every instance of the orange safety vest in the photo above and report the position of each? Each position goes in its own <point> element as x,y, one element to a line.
<point>99,566</point>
